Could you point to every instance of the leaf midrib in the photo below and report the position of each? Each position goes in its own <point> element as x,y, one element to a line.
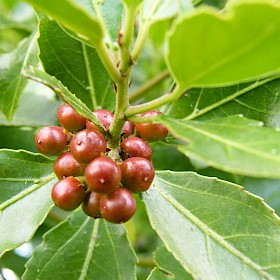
<point>64,244</point>
<point>227,142</point>
<point>208,232</point>
<point>90,250</point>
<point>242,52</point>
<point>168,183</point>
<point>26,192</point>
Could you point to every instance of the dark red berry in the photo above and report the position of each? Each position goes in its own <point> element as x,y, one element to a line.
<point>70,119</point>
<point>91,205</point>
<point>118,206</point>
<point>51,140</point>
<point>105,117</point>
<point>66,166</point>
<point>87,145</point>
<point>137,174</point>
<point>136,147</point>
<point>151,131</point>
<point>128,129</point>
<point>68,194</point>
<point>103,175</point>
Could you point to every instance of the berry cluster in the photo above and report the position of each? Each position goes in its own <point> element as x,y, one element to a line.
<point>86,173</point>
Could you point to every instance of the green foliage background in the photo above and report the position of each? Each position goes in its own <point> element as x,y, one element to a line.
<point>198,223</point>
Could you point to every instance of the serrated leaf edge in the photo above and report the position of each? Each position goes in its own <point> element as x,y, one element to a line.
<point>204,227</point>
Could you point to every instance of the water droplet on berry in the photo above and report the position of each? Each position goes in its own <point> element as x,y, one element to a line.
<point>145,179</point>
<point>102,180</point>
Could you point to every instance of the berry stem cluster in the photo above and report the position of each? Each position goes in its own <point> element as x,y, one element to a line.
<point>93,173</point>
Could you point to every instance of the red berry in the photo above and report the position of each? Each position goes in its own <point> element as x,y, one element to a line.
<point>105,117</point>
<point>66,166</point>
<point>128,129</point>
<point>68,194</point>
<point>151,131</point>
<point>136,147</point>
<point>137,174</point>
<point>51,140</point>
<point>70,119</point>
<point>103,175</point>
<point>87,145</point>
<point>118,206</point>
<point>91,205</point>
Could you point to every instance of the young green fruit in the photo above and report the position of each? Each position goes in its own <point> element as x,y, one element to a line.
<point>118,206</point>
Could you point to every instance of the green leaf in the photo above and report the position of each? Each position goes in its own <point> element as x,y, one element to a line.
<point>26,180</point>
<point>215,3</point>
<point>268,189</point>
<point>160,10</point>
<point>37,107</point>
<point>213,48</point>
<point>157,274</point>
<point>83,248</point>
<point>11,33</point>
<point>10,135</point>
<point>68,97</point>
<point>73,16</point>
<point>167,157</point>
<point>258,100</point>
<point>83,74</point>
<point>111,12</point>
<point>167,262</point>
<point>12,82</point>
<point>221,230</point>
<point>234,144</point>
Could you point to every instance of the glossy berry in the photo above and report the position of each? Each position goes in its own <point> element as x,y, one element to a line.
<point>136,147</point>
<point>66,166</point>
<point>128,129</point>
<point>151,131</point>
<point>51,140</point>
<point>91,204</point>
<point>118,206</point>
<point>68,194</point>
<point>70,119</point>
<point>137,174</point>
<point>87,145</point>
<point>102,175</point>
<point>105,117</point>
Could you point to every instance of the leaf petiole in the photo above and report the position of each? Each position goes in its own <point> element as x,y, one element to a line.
<point>158,102</point>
